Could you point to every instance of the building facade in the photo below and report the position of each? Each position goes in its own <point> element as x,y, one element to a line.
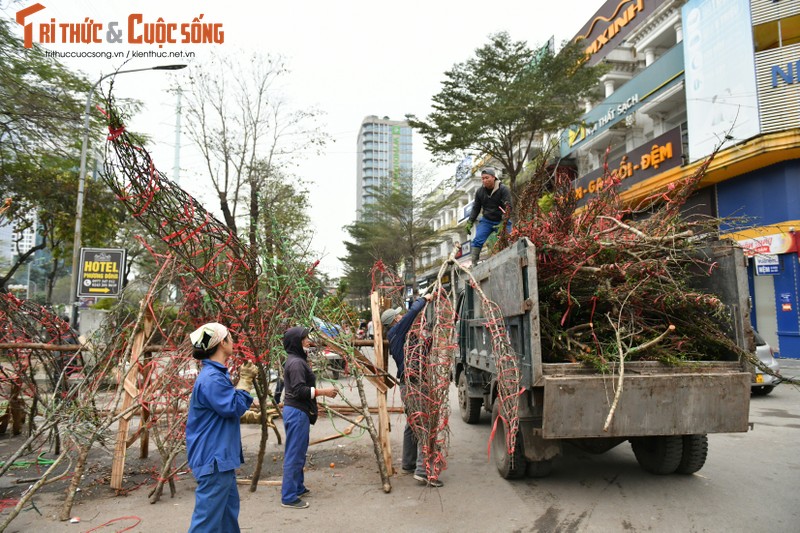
<point>687,78</point>
<point>13,242</point>
<point>384,158</point>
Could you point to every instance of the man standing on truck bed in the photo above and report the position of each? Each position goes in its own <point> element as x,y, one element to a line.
<point>495,200</point>
<point>397,326</point>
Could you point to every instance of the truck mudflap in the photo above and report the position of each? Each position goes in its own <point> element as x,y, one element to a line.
<point>679,404</point>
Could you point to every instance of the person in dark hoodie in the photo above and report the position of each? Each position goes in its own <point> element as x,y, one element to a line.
<point>300,394</point>
<point>398,325</point>
<point>213,434</point>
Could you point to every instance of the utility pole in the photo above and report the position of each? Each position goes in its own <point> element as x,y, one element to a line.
<point>76,245</point>
<point>176,168</point>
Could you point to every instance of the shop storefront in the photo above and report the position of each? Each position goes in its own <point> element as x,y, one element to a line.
<point>769,198</point>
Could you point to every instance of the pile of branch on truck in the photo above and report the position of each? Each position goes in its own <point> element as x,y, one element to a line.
<point>605,323</point>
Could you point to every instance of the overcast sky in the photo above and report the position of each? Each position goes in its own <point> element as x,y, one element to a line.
<point>348,58</point>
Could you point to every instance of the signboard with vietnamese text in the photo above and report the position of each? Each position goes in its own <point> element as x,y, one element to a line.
<point>100,272</point>
<point>778,243</point>
<point>663,74</point>
<point>662,153</point>
<point>767,264</point>
<point>611,23</point>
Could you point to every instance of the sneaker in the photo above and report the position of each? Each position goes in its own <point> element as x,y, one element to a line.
<point>305,492</point>
<point>297,504</point>
<point>407,470</point>
<point>430,482</point>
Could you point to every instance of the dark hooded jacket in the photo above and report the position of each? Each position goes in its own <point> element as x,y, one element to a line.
<point>297,375</point>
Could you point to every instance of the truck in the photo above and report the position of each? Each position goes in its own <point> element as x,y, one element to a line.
<point>665,411</point>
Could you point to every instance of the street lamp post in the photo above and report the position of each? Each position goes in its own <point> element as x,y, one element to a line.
<point>76,244</point>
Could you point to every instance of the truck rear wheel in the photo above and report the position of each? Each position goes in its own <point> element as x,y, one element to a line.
<point>470,407</point>
<point>659,455</point>
<point>695,451</point>
<point>509,466</point>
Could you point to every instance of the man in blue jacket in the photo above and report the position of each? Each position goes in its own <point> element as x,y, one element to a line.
<point>494,199</point>
<point>213,435</point>
<point>398,326</point>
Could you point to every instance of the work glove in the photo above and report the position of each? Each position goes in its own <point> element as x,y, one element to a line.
<point>247,373</point>
<point>468,227</point>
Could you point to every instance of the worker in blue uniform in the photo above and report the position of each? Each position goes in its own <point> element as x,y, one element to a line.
<point>213,436</point>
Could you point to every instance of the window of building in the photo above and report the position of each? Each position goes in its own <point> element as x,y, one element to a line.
<point>776,33</point>
<point>790,30</point>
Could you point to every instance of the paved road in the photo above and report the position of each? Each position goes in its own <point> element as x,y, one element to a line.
<point>749,483</point>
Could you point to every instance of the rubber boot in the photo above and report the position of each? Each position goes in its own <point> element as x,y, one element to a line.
<point>475,254</point>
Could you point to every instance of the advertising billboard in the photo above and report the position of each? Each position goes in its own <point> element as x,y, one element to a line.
<point>721,101</point>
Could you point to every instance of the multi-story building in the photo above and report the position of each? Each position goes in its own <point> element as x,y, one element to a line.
<point>14,243</point>
<point>384,158</point>
<point>451,222</point>
<point>690,77</point>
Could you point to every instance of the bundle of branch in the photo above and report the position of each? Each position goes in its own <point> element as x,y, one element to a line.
<point>251,297</point>
<point>428,358</point>
<point>607,267</point>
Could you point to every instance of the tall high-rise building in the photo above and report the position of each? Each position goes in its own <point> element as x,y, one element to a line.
<point>384,157</point>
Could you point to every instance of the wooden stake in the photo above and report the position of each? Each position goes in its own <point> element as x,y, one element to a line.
<point>131,393</point>
<point>384,427</point>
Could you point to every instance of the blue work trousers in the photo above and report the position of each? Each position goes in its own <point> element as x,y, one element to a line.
<point>297,426</point>
<point>413,458</point>
<point>216,503</point>
<point>484,229</point>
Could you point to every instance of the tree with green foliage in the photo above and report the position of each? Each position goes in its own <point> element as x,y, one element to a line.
<point>397,229</point>
<point>501,101</point>
<point>41,112</point>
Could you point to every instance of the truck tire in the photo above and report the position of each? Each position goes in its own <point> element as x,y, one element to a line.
<point>509,466</point>
<point>470,407</point>
<point>695,451</point>
<point>659,455</point>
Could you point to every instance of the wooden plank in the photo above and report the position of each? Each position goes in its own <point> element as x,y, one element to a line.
<point>128,384</point>
<point>262,482</point>
<point>384,427</point>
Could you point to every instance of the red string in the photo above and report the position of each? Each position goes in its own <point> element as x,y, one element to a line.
<point>138,521</point>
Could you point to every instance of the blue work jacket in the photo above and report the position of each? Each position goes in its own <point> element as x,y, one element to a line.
<point>397,336</point>
<point>212,427</point>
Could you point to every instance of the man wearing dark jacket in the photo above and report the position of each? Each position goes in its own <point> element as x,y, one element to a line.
<point>398,326</point>
<point>494,199</point>
<point>299,412</point>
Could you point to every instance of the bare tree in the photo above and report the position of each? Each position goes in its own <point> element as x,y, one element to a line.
<point>245,130</point>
